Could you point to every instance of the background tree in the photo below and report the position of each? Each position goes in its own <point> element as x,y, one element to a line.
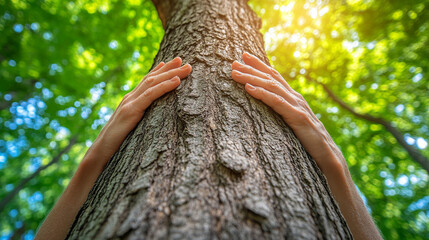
<point>371,54</point>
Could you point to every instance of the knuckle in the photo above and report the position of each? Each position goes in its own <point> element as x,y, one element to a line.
<point>148,93</point>
<point>126,97</point>
<point>301,101</point>
<point>150,80</point>
<point>267,76</point>
<point>278,100</point>
<point>273,84</point>
<point>302,116</point>
<point>126,110</point>
<point>299,96</point>
<point>148,76</point>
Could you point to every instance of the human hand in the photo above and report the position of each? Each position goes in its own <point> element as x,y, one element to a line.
<point>266,84</point>
<point>162,79</point>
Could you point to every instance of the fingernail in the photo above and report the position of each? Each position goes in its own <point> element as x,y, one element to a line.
<point>250,87</point>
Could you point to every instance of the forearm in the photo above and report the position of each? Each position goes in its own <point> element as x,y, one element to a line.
<point>62,215</point>
<point>162,79</point>
<point>265,83</point>
<point>348,198</point>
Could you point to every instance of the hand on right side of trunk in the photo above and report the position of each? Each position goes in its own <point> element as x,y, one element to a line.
<point>266,84</point>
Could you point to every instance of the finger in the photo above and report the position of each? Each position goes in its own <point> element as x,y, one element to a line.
<point>244,78</point>
<point>161,64</point>
<point>181,72</point>
<point>175,63</point>
<point>255,62</point>
<point>276,102</point>
<point>250,70</point>
<point>143,101</point>
<point>268,84</point>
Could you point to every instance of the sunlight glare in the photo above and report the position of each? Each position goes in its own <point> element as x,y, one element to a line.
<point>294,38</point>
<point>287,8</point>
<point>323,11</point>
<point>296,54</point>
<point>313,13</point>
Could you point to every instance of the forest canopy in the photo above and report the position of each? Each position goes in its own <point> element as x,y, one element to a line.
<point>361,65</point>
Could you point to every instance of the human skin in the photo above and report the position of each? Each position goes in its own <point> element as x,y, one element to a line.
<point>266,84</point>
<point>162,79</point>
<point>262,82</point>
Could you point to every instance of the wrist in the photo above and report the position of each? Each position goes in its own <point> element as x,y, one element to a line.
<point>331,160</point>
<point>335,169</point>
<point>339,179</point>
<point>100,151</point>
<point>93,162</point>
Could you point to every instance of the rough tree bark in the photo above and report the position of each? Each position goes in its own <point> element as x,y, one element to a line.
<point>208,161</point>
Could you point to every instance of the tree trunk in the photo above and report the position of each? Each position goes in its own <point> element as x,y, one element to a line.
<point>208,161</point>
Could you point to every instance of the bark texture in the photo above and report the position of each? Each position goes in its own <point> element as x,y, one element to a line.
<point>208,161</point>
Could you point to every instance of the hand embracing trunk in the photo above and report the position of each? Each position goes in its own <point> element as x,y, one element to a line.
<point>207,161</point>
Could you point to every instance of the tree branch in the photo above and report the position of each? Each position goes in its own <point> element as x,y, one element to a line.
<point>24,181</point>
<point>397,134</point>
<point>18,233</point>
<point>72,142</point>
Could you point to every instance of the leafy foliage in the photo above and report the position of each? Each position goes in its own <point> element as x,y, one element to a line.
<point>373,56</point>
<point>64,66</point>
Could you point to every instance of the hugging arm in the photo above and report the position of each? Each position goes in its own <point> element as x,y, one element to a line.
<point>266,84</point>
<point>162,79</point>
<point>262,82</point>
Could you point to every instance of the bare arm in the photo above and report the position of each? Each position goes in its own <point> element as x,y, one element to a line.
<point>265,83</point>
<point>162,79</point>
